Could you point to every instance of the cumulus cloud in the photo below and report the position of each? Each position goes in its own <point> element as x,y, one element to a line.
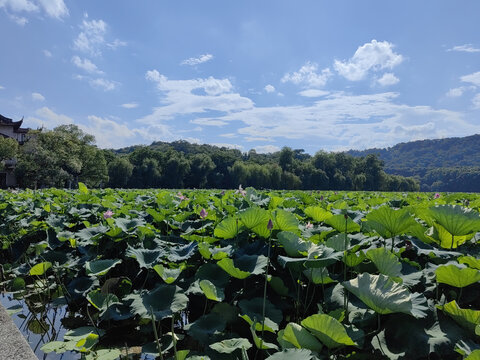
<point>228,146</point>
<point>372,56</point>
<point>197,60</point>
<point>265,149</point>
<point>109,133</point>
<point>52,8</point>
<point>269,88</point>
<point>472,78</point>
<point>456,92</point>
<point>465,48</point>
<point>308,76</point>
<point>86,65</point>
<point>388,79</point>
<point>91,37</point>
<point>47,118</point>
<point>131,105</point>
<point>103,84</point>
<point>476,101</point>
<point>37,96</point>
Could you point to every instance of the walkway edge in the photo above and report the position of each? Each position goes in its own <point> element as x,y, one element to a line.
<point>13,346</point>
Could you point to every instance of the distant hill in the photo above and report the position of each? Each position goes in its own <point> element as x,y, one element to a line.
<point>451,164</point>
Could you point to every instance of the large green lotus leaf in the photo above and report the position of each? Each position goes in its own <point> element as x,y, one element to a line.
<point>339,223</point>
<point>244,266</point>
<point>285,221</point>
<point>205,327</point>
<point>210,272</point>
<point>256,219</point>
<point>438,234</point>
<point>100,267</point>
<point>278,285</point>
<point>319,275</point>
<point>90,235</point>
<point>146,258</point>
<point>317,213</point>
<point>168,275</point>
<point>457,220</point>
<point>352,259</point>
<point>157,216</point>
<point>164,300</point>
<point>102,301</point>
<point>253,308</point>
<point>474,355</point>
<point>104,354</point>
<point>339,242</point>
<point>471,261</point>
<point>268,324</point>
<point>385,296</point>
<point>293,245</point>
<point>230,345</point>
<point>454,276</point>
<point>301,338</point>
<point>228,228</point>
<point>82,333</point>
<point>467,318</point>
<point>211,291</point>
<point>328,330</point>
<point>82,188</point>
<point>385,261</point>
<point>259,342</point>
<point>292,354</point>
<point>41,268</point>
<point>388,222</point>
<point>129,225</point>
<point>318,256</point>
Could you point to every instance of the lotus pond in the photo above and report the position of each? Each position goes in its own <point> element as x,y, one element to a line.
<point>244,274</point>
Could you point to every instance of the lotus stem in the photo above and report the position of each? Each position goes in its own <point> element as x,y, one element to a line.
<point>265,288</point>
<point>451,247</point>
<point>174,340</point>
<point>159,346</point>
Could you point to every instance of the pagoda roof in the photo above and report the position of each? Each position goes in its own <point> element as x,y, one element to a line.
<point>16,124</point>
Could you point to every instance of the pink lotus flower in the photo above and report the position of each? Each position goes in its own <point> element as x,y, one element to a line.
<point>437,195</point>
<point>181,197</point>
<point>203,213</point>
<point>241,191</point>
<point>108,214</point>
<point>309,225</point>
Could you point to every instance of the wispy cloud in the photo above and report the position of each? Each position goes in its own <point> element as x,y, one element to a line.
<point>104,84</point>
<point>269,88</point>
<point>372,56</point>
<point>472,78</point>
<point>2,87</point>
<point>131,105</point>
<point>465,48</point>
<point>308,76</point>
<point>20,20</point>
<point>197,60</point>
<point>52,8</point>
<point>456,92</point>
<point>476,101</point>
<point>91,38</point>
<point>86,65</point>
<point>47,53</point>
<point>46,117</point>
<point>313,93</point>
<point>265,149</point>
<point>37,96</point>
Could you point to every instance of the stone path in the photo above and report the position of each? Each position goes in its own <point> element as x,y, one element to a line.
<point>13,345</point>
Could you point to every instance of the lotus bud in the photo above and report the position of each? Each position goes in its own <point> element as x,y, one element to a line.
<point>108,214</point>
<point>203,213</point>
<point>270,225</point>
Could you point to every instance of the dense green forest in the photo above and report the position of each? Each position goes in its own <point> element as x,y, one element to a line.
<point>451,164</point>
<point>66,155</point>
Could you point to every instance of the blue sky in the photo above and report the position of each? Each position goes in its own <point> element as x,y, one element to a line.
<point>313,75</point>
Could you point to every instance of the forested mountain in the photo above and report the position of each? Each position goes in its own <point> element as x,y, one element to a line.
<point>451,164</point>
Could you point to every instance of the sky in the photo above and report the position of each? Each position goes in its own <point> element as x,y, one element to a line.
<point>308,74</point>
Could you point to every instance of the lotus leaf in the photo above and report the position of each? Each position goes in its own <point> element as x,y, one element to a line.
<point>145,258</point>
<point>285,221</point>
<point>317,213</point>
<point>454,276</point>
<point>244,266</point>
<point>471,261</point>
<point>228,228</point>
<point>40,268</point>
<point>259,343</point>
<point>293,245</point>
<point>455,219</point>
<point>389,223</point>
<point>256,219</point>
<point>102,301</point>
<point>100,267</point>
<point>385,261</point>
<point>230,345</point>
<point>339,223</point>
<point>168,275</point>
<point>385,296</point>
<point>205,327</point>
<point>328,330</point>
<point>467,318</point>
<point>164,301</point>
<point>211,291</point>
<point>301,338</point>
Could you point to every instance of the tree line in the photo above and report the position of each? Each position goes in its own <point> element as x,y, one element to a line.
<point>66,155</point>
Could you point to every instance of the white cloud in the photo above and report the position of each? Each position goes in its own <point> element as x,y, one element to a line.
<point>209,122</point>
<point>38,97</point>
<point>48,118</point>
<point>308,76</point>
<point>193,96</point>
<point>129,105</point>
<point>197,60</point>
<point>476,101</point>
<point>20,20</point>
<point>269,88</point>
<point>2,87</point>
<point>472,78</point>
<point>103,84</point>
<point>47,53</point>
<point>313,93</point>
<point>456,92</point>
<point>116,44</point>
<point>86,65</point>
<point>54,8</point>
<point>388,79</point>
<point>228,146</point>
<point>92,36</point>
<point>372,56</point>
<point>265,149</point>
<point>109,133</point>
<point>465,48</point>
